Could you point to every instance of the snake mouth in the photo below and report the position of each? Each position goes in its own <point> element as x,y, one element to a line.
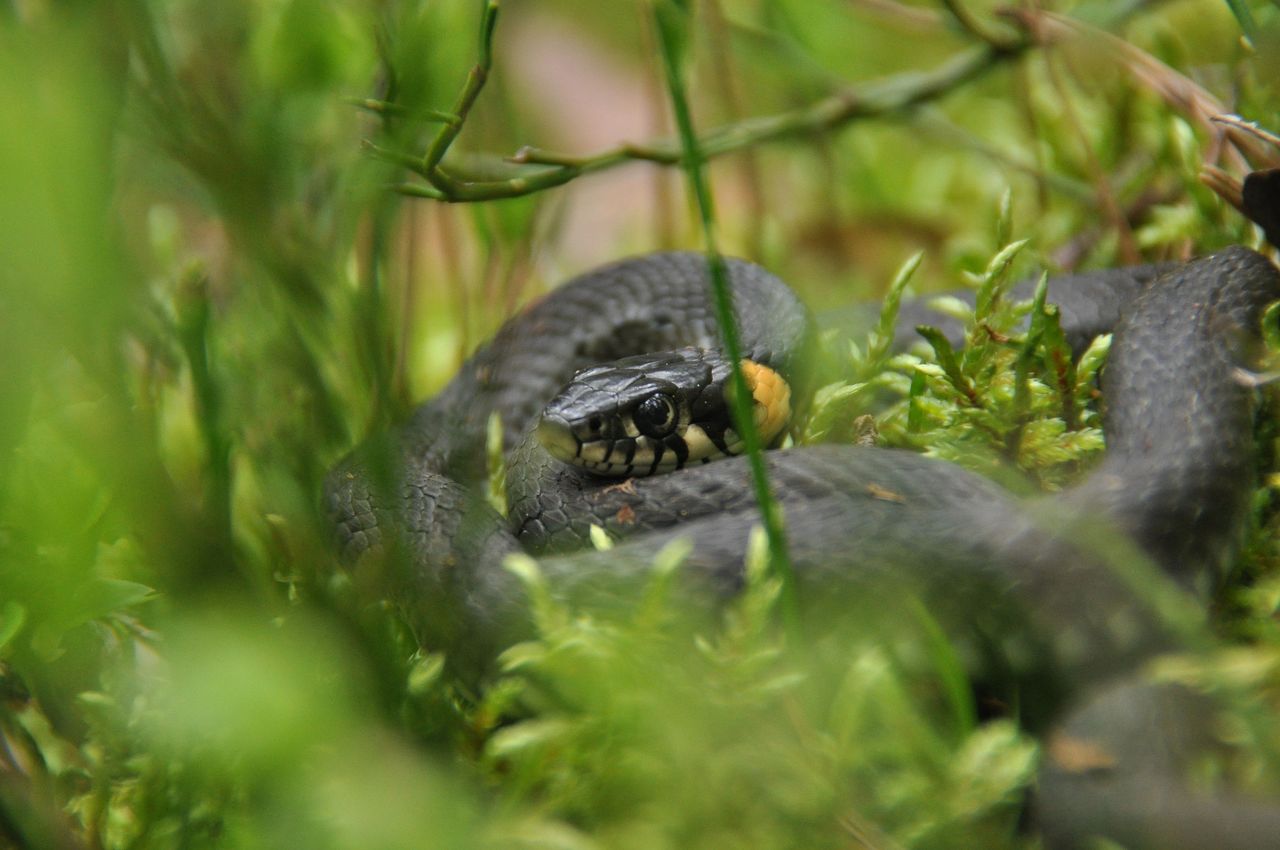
<point>620,455</point>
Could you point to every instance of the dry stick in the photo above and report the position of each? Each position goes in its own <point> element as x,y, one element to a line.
<point>1225,186</point>
<point>665,16</point>
<point>1261,147</point>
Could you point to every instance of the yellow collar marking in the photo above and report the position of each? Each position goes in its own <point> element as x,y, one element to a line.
<point>771,397</point>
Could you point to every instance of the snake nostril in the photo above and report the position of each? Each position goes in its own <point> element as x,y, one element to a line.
<point>594,424</point>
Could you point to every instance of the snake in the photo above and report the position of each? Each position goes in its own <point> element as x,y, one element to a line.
<point>610,394</point>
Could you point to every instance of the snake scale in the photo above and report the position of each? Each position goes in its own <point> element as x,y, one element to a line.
<point>1174,485</point>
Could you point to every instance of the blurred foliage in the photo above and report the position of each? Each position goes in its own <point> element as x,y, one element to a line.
<point>208,293</point>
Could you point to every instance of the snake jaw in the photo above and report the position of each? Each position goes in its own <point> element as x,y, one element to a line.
<point>612,448</point>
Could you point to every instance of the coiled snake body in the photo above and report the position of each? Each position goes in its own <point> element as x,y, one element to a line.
<point>1175,482</point>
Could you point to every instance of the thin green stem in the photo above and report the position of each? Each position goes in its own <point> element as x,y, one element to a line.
<point>831,113</point>
<point>457,191</point>
<point>384,107</point>
<point>418,190</point>
<point>387,155</point>
<point>193,330</point>
<point>895,95</point>
<point>1245,18</point>
<point>476,79</point>
<point>975,28</point>
<point>672,31</point>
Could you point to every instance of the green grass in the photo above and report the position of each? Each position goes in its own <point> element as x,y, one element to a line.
<point>210,290</point>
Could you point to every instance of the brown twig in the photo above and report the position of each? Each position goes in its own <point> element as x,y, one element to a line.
<point>1260,146</point>
<point>1225,186</point>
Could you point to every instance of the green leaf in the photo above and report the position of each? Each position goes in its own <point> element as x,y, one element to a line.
<point>947,360</point>
<point>829,404</point>
<point>600,539</point>
<point>12,618</point>
<point>949,668</point>
<point>995,279</point>
<point>525,738</point>
<point>1245,18</point>
<point>882,338</point>
<point>1271,327</point>
<point>1090,363</point>
<point>995,764</point>
<point>672,17</point>
<point>425,672</point>
<point>115,594</point>
<point>1004,217</point>
<point>1022,387</point>
<point>915,412</point>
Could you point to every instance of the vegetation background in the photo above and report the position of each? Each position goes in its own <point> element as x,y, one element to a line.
<point>226,257</point>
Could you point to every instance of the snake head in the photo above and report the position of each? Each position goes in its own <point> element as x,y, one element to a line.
<point>657,412</point>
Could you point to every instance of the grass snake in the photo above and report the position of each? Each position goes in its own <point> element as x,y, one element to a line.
<point>1174,486</point>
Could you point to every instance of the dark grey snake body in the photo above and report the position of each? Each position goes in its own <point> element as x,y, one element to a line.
<point>1176,483</point>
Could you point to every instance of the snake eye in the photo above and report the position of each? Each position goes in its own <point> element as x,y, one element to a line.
<point>655,416</point>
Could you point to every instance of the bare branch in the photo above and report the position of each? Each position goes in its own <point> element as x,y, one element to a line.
<point>979,30</point>
<point>476,79</point>
<point>382,107</point>
<point>892,96</point>
<point>535,170</point>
